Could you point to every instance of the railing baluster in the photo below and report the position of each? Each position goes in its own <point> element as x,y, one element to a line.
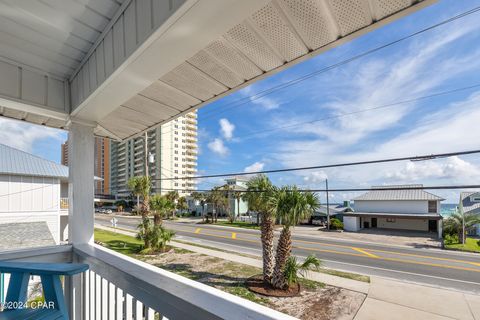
<point>104,300</point>
<point>150,314</point>
<point>98,297</point>
<point>138,310</point>
<point>86,294</point>
<point>119,304</point>
<point>111,301</point>
<point>128,307</point>
<point>91,295</point>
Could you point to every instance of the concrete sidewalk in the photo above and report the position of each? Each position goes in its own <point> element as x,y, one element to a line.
<point>386,299</point>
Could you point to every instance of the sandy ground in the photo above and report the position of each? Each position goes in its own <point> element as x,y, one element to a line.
<point>316,302</point>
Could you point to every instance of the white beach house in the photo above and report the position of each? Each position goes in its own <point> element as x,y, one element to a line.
<point>399,207</point>
<point>31,199</point>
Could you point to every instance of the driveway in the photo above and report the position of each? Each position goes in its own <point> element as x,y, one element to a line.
<point>381,236</point>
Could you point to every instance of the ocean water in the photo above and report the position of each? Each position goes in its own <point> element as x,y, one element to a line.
<point>446,209</point>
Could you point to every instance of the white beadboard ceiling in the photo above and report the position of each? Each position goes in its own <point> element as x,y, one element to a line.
<point>57,38</point>
<point>274,37</point>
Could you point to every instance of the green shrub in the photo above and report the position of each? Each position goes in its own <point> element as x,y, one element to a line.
<point>450,239</point>
<point>336,224</point>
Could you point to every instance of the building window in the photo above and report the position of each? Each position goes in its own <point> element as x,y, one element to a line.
<point>392,220</point>
<point>432,206</point>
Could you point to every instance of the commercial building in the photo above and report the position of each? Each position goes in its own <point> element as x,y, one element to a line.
<point>470,205</point>
<point>101,164</point>
<point>399,207</point>
<point>172,153</point>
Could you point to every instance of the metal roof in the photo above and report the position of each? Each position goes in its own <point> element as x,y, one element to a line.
<point>468,205</point>
<point>17,162</point>
<point>404,192</point>
<point>435,216</point>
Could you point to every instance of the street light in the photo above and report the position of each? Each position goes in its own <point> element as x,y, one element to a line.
<point>328,205</point>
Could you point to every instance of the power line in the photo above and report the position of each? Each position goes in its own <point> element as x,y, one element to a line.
<point>289,83</point>
<point>345,164</point>
<point>384,106</point>
<point>441,187</point>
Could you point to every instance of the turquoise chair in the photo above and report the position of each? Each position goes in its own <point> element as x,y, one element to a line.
<point>54,306</point>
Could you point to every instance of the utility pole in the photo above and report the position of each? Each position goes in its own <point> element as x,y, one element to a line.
<point>328,205</point>
<point>146,154</point>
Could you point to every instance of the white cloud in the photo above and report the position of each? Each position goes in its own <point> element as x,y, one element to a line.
<point>226,128</point>
<point>453,168</point>
<point>218,147</point>
<point>257,166</point>
<point>315,177</point>
<point>23,135</point>
<point>266,102</point>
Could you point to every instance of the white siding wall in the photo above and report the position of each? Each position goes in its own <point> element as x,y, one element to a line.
<point>403,224</point>
<point>30,199</point>
<point>393,206</point>
<point>351,223</point>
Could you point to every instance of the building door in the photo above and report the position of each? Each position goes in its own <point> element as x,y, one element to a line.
<point>366,225</point>
<point>432,225</point>
<point>374,222</point>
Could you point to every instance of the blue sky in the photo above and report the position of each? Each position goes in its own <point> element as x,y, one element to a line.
<point>443,59</point>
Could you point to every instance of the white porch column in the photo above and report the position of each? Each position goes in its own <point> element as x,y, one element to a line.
<point>440,228</point>
<point>81,208</point>
<point>80,183</point>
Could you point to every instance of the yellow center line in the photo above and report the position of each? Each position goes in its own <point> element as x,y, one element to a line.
<point>365,252</point>
<point>362,253</point>
<point>198,230</point>
<point>234,235</point>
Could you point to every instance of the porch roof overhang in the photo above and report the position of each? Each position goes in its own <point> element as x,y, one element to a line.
<point>431,216</point>
<point>128,66</point>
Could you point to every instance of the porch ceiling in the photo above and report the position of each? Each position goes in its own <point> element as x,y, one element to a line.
<point>204,51</point>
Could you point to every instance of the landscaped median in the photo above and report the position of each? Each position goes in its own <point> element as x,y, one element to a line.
<point>228,271</point>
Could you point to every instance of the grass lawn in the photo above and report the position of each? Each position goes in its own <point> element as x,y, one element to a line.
<point>118,242</point>
<point>470,245</point>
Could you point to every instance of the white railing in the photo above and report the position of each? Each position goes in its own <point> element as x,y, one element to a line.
<point>123,288</point>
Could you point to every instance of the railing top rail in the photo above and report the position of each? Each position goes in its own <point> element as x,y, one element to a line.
<point>60,253</point>
<point>173,296</point>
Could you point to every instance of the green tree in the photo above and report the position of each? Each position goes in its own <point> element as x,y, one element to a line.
<point>292,206</point>
<point>154,237</point>
<point>182,204</point>
<point>173,197</point>
<point>161,206</point>
<point>140,186</point>
<point>454,224</point>
<point>200,197</point>
<point>217,198</point>
<point>259,191</point>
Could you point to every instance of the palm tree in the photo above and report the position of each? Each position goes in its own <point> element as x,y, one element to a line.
<point>173,197</point>
<point>155,237</point>
<point>161,206</point>
<point>140,187</point>
<point>182,204</point>
<point>217,198</point>
<point>259,190</point>
<point>454,224</point>
<point>200,197</point>
<point>292,206</point>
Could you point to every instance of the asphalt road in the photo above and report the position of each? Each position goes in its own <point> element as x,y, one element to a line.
<point>448,269</point>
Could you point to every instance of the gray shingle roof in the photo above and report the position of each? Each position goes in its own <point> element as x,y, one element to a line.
<point>470,206</point>
<point>404,192</point>
<point>17,162</point>
<point>25,235</point>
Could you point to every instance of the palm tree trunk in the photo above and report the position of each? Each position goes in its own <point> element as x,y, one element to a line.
<point>284,248</point>
<point>267,238</point>
<point>157,219</point>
